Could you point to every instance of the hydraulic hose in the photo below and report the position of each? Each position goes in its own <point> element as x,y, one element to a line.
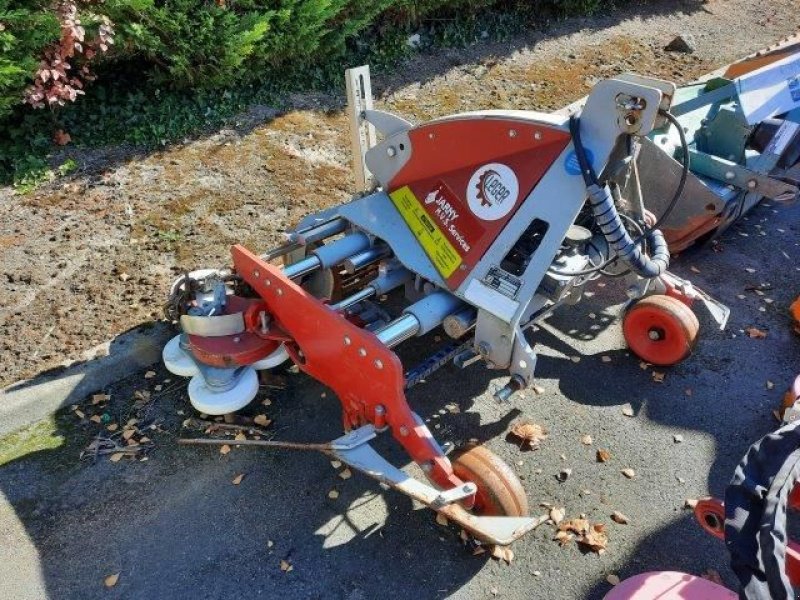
<point>610,223</point>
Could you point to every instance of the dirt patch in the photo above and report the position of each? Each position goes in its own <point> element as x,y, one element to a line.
<point>86,258</point>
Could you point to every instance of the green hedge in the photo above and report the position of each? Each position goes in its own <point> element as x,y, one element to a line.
<point>195,49</point>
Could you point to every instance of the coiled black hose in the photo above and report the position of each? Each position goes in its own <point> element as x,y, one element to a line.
<point>610,222</point>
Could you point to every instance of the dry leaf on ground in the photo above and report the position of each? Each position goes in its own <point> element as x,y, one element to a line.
<point>224,449</point>
<point>111,580</point>
<point>98,398</point>
<point>596,539</point>
<point>333,494</point>
<point>618,517</point>
<point>612,579</point>
<point>755,333</point>
<point>627,410</point>
<point>529,433</point>
<point>603,455</point>
<point>286,566</point>
<point>346,474</point>
<point>563,537</point>
<point>149,374</point>
<point>629,473</point>
<point>658,376</point>
<point>587,440</point>
<point>336,464</point>
<point>503,553</point>
<point>238,479</point>
<point>579,526</point>
<point>116,456</point>
<point>441,519</point>
<point>262,420</point>
<point>240,437</point>
<point>557,514</point>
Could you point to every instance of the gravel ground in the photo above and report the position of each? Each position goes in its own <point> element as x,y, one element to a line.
<point>107,242</point>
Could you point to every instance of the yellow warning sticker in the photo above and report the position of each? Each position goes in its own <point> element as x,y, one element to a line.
<point>438,248</point>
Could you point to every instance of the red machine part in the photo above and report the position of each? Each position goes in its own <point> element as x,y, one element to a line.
<point>467,177</point>
<point>240,349</point>
<point>710,514</point>
<point>365,374</point>
<point>660,329</point>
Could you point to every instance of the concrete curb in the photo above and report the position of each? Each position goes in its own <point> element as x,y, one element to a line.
<point>31,400</point>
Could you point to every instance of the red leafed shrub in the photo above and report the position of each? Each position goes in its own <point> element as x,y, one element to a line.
<point>65,64</point>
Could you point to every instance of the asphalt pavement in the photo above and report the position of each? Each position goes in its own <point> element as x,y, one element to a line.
<point>175,526</point>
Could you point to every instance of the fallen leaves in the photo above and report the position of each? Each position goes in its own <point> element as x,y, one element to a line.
<point>333,494</point>
<point>557,514</point>
<point>658,376</point>
<point>612,579</point>
<point>111,580</point>
<point>603,455</point>
<point>224,449</point>
<point>286,566</point>
<point>629,473</point>
<point>586,440</point>
<point>346,474</point>
<point>503,553</point>
<point>592,537</point>
<point>238,479</point>
<point>755,333</point>
<point>627,410</point>
<point>529,433</point>
<point>262,420</point>
<point>619,518</point>
<point>116,457</point>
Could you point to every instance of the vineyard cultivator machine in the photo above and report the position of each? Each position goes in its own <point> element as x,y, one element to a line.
<point>482,224</point>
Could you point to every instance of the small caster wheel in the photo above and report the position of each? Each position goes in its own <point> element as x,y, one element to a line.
<point>500,493</point>
<point>206,399</point>
<point>177,360</point>
<point>660,330</point>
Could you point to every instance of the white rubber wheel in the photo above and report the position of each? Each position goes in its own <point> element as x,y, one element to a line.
<point>278,356</point>
<point>177,361</point>
<point>212,402</point>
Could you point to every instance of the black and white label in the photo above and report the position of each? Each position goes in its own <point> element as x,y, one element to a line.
<point>505,283</point>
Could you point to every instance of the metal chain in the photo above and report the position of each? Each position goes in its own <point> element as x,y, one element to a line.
<point>435,362</point>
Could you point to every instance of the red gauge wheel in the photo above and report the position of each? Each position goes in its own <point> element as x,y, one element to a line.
<point>500,493</point>
<point>661,330</point>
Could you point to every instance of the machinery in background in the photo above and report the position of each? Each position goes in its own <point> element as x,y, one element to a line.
<point>482,224</point>
<point>753,524</point>
<point>743,133</point>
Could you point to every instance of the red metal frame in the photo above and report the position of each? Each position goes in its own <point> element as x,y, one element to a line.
<point>365,374</point>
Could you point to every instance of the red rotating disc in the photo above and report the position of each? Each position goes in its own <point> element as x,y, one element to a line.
<point>660,330</point>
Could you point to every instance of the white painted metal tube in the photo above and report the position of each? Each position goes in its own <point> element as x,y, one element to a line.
<point>399,330</point>
<point>329,255</point>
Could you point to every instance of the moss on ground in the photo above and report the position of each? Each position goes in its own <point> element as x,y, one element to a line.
<point>52,442</point>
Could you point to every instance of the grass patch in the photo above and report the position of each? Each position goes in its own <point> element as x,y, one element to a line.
<point>51,441</point>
